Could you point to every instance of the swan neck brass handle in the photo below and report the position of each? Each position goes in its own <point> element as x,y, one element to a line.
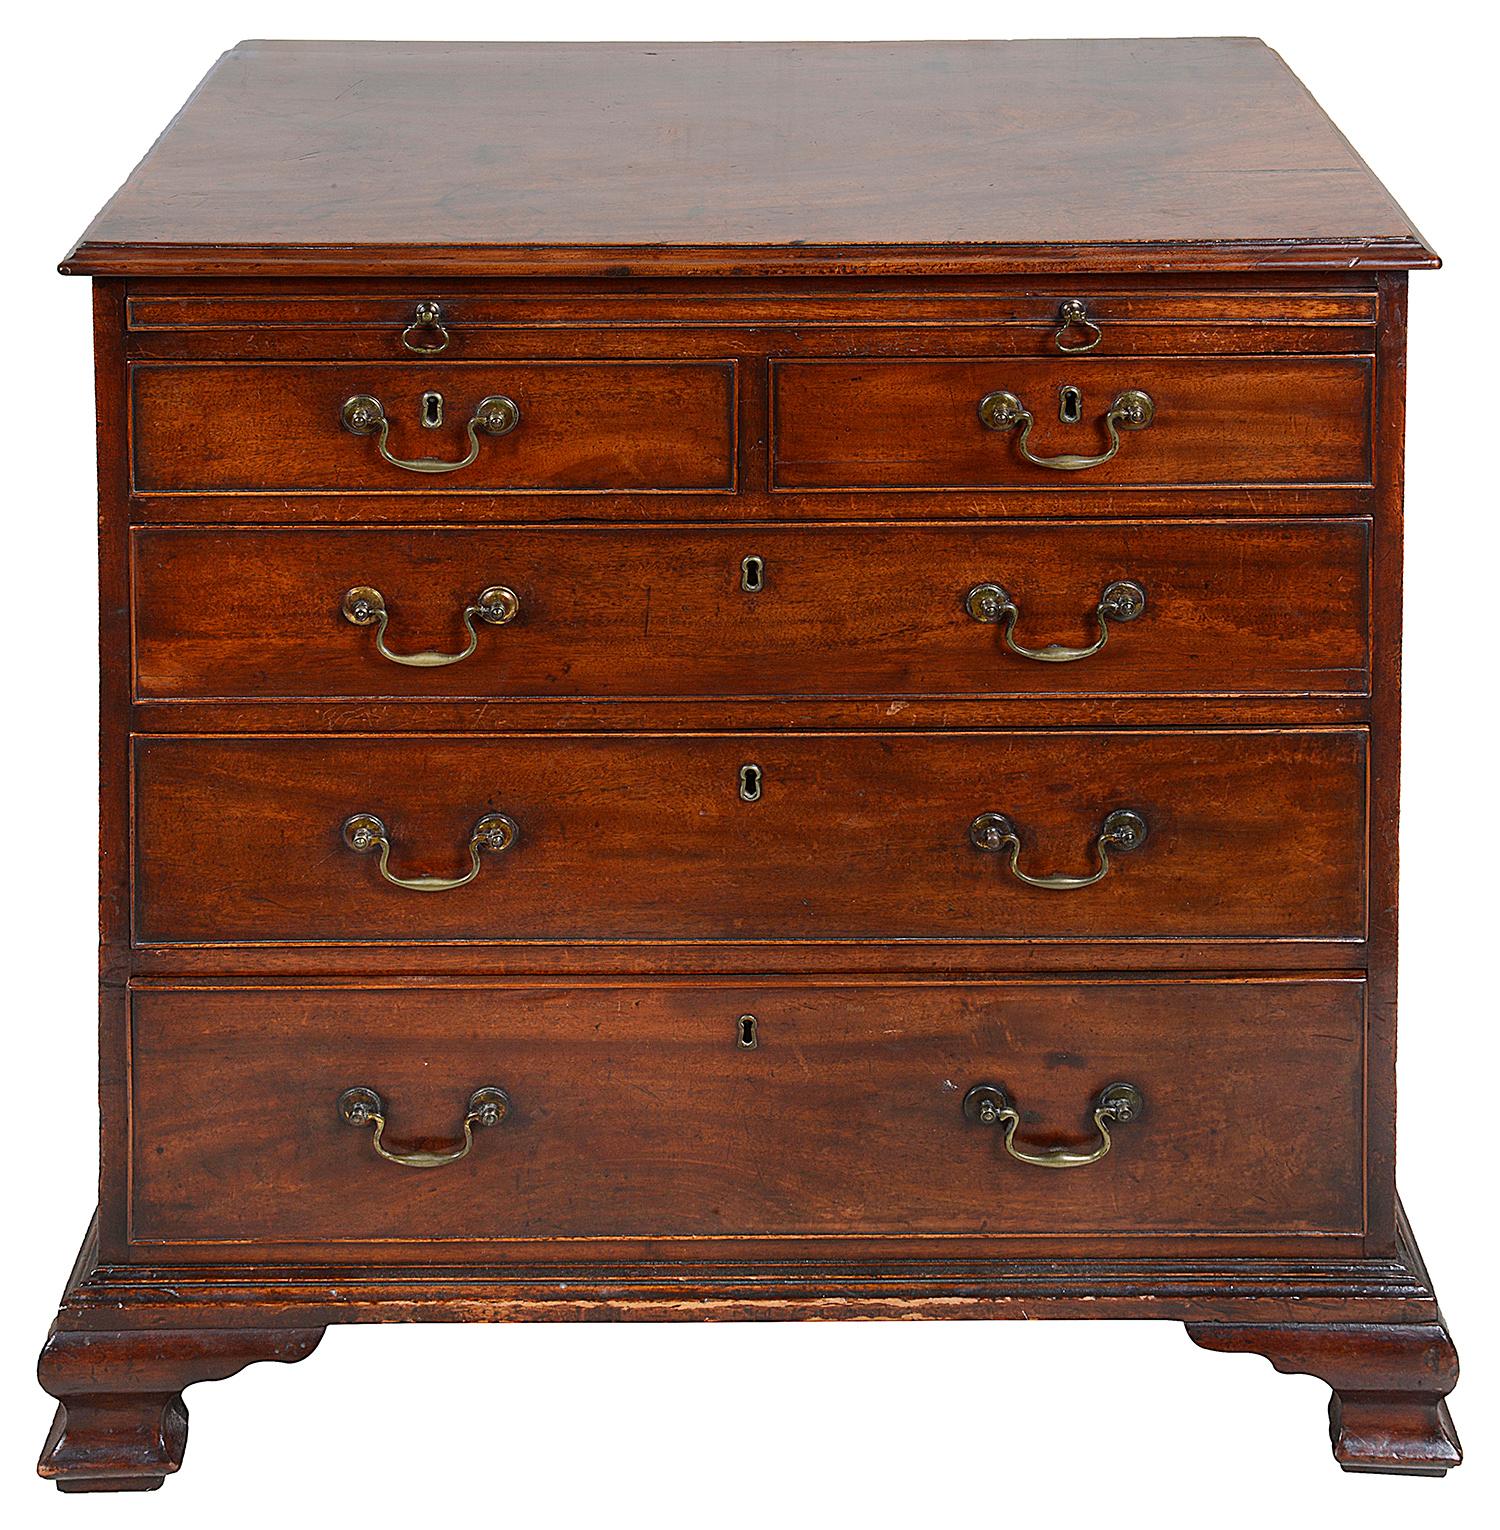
<point>1122,830</point>
<point>364,415</point>
<point>364,832</point>
<point>365,606</point>
<point>1074,314</point>
<point>990,1105</point>
<point>1131,410</point>
<point>427,326</point>
<point>1122,600</point>
<point>362,1106</point>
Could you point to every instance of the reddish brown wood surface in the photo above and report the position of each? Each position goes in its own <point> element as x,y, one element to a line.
<point>121,1423</point>
<point>752,504</point>
<point>916,425</point>
<point>636,1114</point>
<point>1153,314</point>
<point>1243,267</point>
<point>856,836</point>
<point>582,427</point>
<point>1390,1381</point>
<point>1192,1278</point>
<point>939,956</point>
<point>1265,609</point>
<point>1385,757</point>
<point>1152,302</point>
<point>354,158</point>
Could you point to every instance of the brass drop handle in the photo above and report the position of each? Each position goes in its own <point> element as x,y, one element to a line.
<point>361,1106</point>
<point>1074,314</point>
<point>1122,600</point>
<point>364,832</point>
<point>1122,830</point>
<point>1131,410</point>
<point>364,415</point>
<point>990,1105</point>
<point>364,605</point>
<point>426,326</point>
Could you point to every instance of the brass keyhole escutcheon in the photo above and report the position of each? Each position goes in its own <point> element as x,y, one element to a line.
<point>753,574</point>
<point>750,783</point>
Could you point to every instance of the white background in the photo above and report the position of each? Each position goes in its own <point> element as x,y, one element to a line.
<point>817,1424</point>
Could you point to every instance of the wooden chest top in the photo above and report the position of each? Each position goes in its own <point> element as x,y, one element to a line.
<point>360,158</point>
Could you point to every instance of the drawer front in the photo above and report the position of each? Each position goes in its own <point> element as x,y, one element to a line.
<point>1258,608</point>
<point>1249,835</point>
<point>636,1113</point>
<point>581,427</point>
<point>878,424</point>
<point>917,318</point>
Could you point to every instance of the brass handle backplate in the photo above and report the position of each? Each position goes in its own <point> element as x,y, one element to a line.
<point>990,1105</point>
<point>426,326</point>
<point>364,832</point>
<point>1122,600</point>
<point>1121,830</point>
<point>364,415</point>
<point>362,1106</point>
<point>1074,314</point>
<point>365,606</point>
<point>1131,410</point>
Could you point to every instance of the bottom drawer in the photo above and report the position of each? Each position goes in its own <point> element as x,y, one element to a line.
<point>642,1114</point>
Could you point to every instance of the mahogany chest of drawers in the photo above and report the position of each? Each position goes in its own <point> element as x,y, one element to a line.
<point>748,682</point>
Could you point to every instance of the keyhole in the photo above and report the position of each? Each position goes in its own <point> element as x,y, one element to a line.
<point>749,783</point>
<point>432,410</point>
<point>1069,404</point>
<point>748,1032</point>
<point>753,574</point>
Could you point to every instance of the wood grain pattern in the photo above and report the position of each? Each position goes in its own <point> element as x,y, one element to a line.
<point>1389,1409</point>
<point>1184,1279</point>
<point>121,1423</point>
<point>596,427</point>
<point>751,505</point>
<point>939,956</point>
<point>1385,755</point>
<point>610,159</point>
<point>1150,315</point>
<point>856,836</point>
<point>1264,609</point>
<point>636,1114</point>
<point>682,259</point>
<point>915,424</point>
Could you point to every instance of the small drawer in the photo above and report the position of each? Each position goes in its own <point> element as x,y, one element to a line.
<point>489,427</point>
<point>1259,608</point>
<point>1232,834</point>
<point>638,1113</point>
<point>1075,422</point>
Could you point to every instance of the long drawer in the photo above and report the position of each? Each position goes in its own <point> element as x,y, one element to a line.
<point>785,837</point>
<point>963,424</point>
<point>311,427</point>
<point>492,321</point>
<point>1262,608</point>
<point>640,1113</point>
